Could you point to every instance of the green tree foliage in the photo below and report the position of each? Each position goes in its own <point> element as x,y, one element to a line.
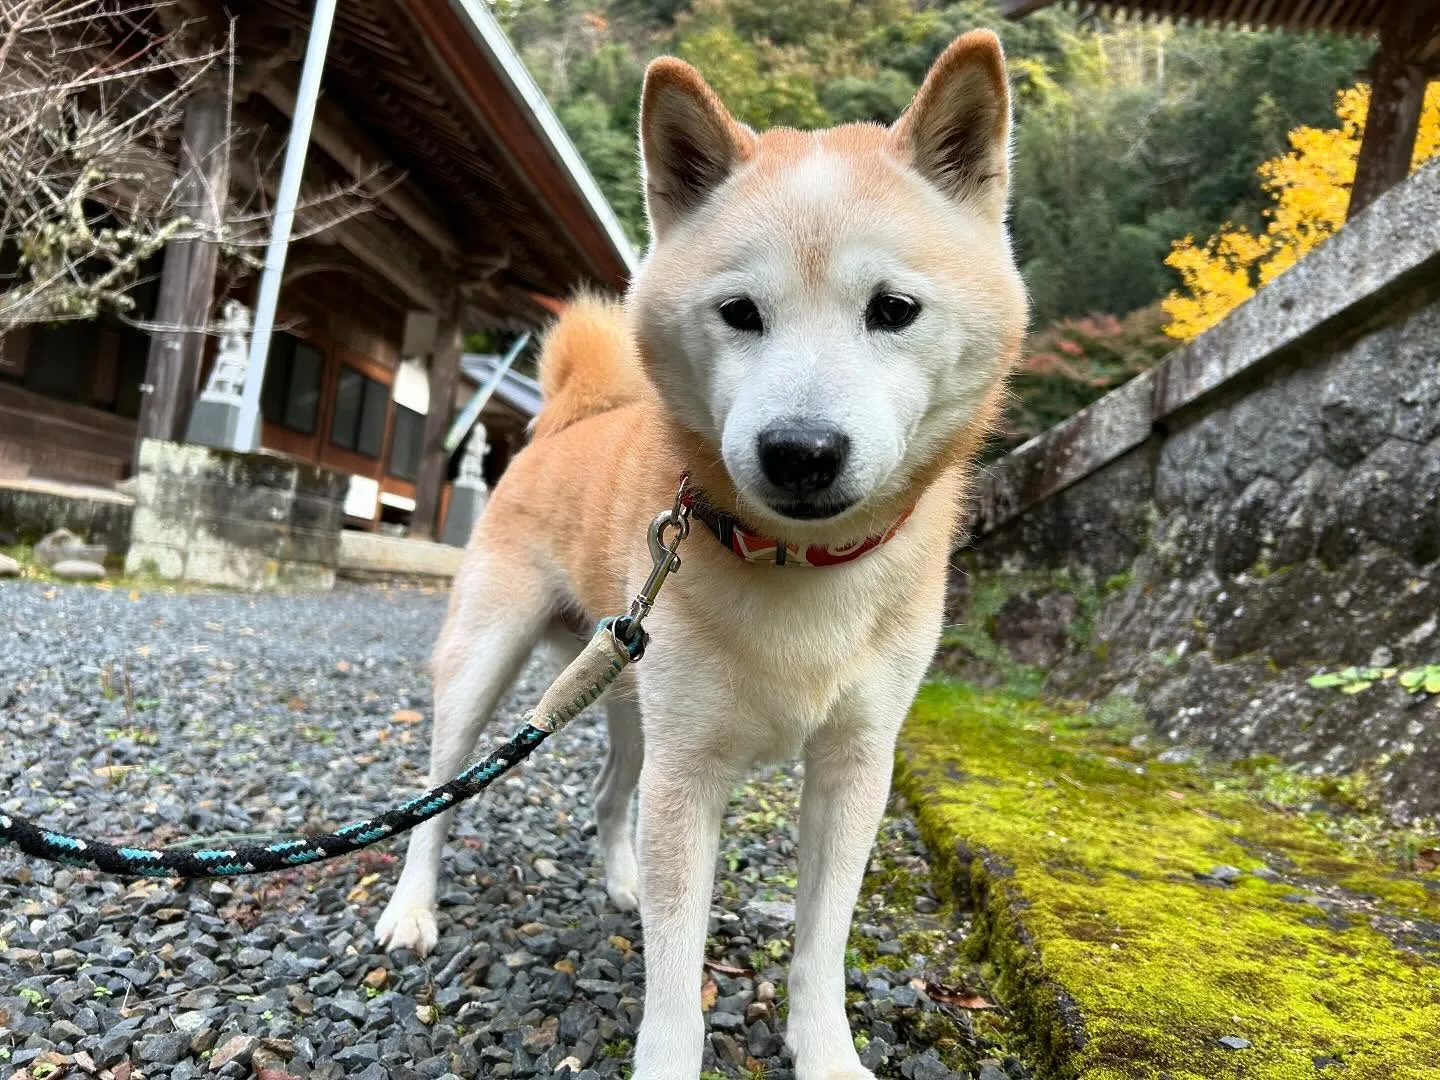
<point>1074,361</point>
<point>1128,136</point>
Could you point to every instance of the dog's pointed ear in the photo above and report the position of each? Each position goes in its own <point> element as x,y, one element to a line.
<point>956,133</point>
<point>689,142</point>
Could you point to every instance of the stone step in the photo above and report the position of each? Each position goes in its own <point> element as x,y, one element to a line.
<point>1150,919</point>
<point>375,555</point>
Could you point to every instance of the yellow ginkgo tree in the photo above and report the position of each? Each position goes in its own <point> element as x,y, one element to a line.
<point>1310,189</point>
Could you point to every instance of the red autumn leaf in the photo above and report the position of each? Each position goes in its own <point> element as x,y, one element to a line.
<point>1427,859</point>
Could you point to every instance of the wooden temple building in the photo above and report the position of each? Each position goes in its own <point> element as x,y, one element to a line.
<point>484,218</point>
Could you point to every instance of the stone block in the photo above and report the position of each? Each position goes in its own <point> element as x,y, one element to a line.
<point>155,558</point>
<point>216,517</point>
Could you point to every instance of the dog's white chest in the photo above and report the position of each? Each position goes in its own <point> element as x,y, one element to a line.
<point>766,665</point>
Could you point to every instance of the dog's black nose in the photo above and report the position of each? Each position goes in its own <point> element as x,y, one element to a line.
<point>803,461</point>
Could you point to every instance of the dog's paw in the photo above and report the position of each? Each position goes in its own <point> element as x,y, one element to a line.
<point>625,895</point>
<point>409,927</point>
<point>858,1072</point>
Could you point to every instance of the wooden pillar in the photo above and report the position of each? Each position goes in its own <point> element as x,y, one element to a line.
<point>187,280</point>
<point>444,374</point>
<point>1397,92</point>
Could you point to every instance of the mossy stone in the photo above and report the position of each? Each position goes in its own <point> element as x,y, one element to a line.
<point>1089,869</point>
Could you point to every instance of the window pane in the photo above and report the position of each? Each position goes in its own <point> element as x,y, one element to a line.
<point>371,438</point>
<point>349,397</point>
<point>277,378</point>
<point>405,445</point>
<point>304,396</point>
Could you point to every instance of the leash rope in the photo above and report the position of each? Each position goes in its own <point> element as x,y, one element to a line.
<point>617,643</point>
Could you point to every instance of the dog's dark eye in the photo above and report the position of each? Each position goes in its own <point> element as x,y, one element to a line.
<point>890,311</point>
<point>741,313</point>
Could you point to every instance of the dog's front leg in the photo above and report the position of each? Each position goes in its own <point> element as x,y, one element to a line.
<point>847,780</point>
<point>682,801</point>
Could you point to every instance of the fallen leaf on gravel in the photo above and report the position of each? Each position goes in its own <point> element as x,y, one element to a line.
<point>727,969</point>
<point>343,665</point>
<point>959,997</point>
<point>708,993</point>
<point>134,594</point>
<point>376,978</point>
<point>112,771</point>
<point>407,716</point>
<point>1178,796</point>
<point>1427,859</point>
<point>297,704</point>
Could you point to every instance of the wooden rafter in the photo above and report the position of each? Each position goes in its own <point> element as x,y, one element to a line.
<point>350,148</point>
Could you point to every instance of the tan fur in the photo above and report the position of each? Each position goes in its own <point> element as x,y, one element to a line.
<point>749,662</point>
<point>587,365</point>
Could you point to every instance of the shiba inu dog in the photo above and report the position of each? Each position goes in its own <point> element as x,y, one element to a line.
<point>819,338</point>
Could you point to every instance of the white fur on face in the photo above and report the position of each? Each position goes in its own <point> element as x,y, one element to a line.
<point>811,253</point>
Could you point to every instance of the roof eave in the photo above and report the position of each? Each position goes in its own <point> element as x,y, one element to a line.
<point>489,37</point>
<point>1018,9</point>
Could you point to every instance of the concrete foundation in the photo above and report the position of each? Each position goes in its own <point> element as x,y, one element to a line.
<point>242,521</point>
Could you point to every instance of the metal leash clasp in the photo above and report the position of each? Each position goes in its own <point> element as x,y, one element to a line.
<point>666,562</point>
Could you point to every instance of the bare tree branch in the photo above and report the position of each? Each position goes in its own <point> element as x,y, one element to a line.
<point>94,178</point>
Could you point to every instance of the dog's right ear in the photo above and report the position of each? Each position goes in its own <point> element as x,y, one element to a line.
<point>689,142</point>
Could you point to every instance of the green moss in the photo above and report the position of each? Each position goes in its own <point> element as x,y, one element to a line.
<point>1081,861</point>
<point>1349,808</point>
<point>1117,583</point>
<point>147,581</point>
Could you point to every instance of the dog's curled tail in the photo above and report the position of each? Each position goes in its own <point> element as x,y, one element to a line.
<point>588,364</point>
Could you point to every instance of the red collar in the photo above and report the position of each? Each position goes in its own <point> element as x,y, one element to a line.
<point>752,547</point>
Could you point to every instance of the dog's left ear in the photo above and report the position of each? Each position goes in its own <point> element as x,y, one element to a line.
<point>956,133</point>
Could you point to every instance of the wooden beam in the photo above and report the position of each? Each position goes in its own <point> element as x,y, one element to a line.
<point>359,156</point>
<point>444,374</point>
<point>187,280</point>
<point>436,35</point>
<point>396,256</point>
<point>1397,93</point>
<point>1018,9</point>
<point>398,263</point>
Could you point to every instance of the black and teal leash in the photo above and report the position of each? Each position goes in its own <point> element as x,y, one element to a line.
<point>618,642</point>
<point>232,861</point>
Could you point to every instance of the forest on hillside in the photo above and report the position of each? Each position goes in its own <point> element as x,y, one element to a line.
<point>1130,136</point>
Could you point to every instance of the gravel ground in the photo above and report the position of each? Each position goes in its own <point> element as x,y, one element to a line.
<point>167,716</point>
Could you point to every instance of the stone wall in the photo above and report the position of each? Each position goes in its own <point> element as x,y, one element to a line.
<point>32,509</point>
<point>1262,507</point>
<point>243,521</point>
